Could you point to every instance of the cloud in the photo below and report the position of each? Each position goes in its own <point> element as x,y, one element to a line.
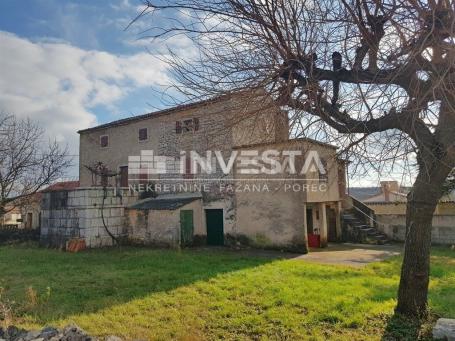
<point>58,84</point>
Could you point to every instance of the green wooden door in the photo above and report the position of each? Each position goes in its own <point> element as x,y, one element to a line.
<point>215,230</point>
<point>186,227</point>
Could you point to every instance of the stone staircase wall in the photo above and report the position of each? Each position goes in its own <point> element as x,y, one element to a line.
<point>76,214</point>
<point>359,231</point>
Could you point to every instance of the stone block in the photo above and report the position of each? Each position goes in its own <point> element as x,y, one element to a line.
<point>86,202</point>
<point>73,202</point>
<point>95,242</point>
<point>107,241</point>
<point>444,329</point>
<point>83,222</point>
<point>93,193</point>
<point>44,222</point>
<point>89,213</point>
<point>56,214</point>
<point>97,222</point>
<point>91,232</point>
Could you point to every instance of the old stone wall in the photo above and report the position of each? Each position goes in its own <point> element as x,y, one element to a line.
<point>394,226</point>
<point>221,125</point>
<point>161,227</point>
<point>77,214</point>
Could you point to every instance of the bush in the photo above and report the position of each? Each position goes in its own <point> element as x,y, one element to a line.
<point>12,234</point>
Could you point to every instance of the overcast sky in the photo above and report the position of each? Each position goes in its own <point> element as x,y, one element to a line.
<point>72,65</point>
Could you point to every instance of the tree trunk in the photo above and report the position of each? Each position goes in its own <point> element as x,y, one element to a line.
<point>415,271</point>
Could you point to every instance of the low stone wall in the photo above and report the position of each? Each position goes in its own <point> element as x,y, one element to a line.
<point>13,234</point>
<point>394,226</point>
<point>77,214</point>
<point>161,227</point>
<point>153,227</point>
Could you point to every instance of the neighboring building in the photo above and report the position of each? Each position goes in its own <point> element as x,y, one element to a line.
<point>31,208</point>
<point>12,217</point>
<point>218,214</point>
<point>31,212</point>
<point>389,205</point>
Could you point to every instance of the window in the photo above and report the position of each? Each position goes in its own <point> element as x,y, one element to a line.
<point>143,178</point>
<point>104,141</point>
<point>123,176</point>
<point>178,127</point>
<point>143,134</point>
<point>196,124</point>
<point>187,125</point>
<point>188,171</point>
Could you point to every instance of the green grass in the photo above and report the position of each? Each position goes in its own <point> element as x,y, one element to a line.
<point>138,293</point>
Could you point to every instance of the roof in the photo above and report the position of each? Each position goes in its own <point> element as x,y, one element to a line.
<point>368,195</point>
<point>62,186</point>
<point>158,113</point>
<point>301,139</point>
<point>393,196</point>
<point>171,202</point>
<point>364,193</point>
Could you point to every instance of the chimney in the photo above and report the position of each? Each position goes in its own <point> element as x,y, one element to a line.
<point>388,187</point>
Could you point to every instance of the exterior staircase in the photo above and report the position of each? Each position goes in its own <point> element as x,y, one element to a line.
<point>357,230</point>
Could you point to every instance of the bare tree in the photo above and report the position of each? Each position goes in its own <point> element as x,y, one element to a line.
<point>26,163</point>
<point>376,76</point>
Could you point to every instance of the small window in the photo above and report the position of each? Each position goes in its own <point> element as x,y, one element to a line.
<point>123,176</point>
<point>187,125</point>
<point>143,176</point>
<point>188,171</point>
<point>196,124</point>
<point>143,134</point>
<point>104,141</point>
<point>178,127</point>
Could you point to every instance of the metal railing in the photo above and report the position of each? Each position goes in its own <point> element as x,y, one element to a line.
<point>365,212</point>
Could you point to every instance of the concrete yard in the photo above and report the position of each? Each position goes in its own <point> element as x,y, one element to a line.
<point>352,254</point>
<point>357,255</point>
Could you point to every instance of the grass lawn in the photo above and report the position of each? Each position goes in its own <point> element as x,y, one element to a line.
<point>139,293</point>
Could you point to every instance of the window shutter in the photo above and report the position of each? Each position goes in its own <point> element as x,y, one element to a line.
<point>143,134</point>
<point>124,176</point>
<point>196,123</point>
<point>178,127</point>
<point>188,174</point>
<point>104,141</point>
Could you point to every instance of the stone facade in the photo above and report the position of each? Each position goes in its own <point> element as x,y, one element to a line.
<point>275,219</point>
<point>78,214</point>
<point>276,215</point>
<point>391,220</point>
<point>162,227</point>
<point>222,124</point>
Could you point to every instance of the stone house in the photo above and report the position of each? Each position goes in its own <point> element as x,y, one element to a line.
<point>190,207</point>
<point>388,208</point>
<point>31,207</point>
<point>12,217</point>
